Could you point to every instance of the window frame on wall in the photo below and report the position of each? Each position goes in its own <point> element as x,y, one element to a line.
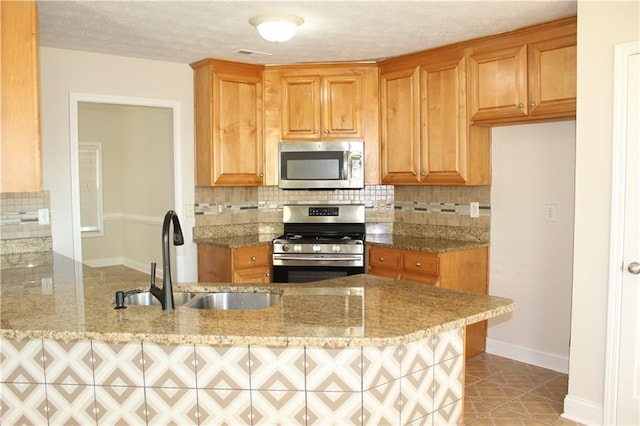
<point>95,229</point>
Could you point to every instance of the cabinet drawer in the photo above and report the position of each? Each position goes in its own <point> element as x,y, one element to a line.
<point>422,263</point>
<point>251,257</point>
<point>380,257</point>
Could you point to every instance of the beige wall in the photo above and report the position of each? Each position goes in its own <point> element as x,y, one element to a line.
<point>63,72</point>
<point>137,181</point>
<point>531,258</point>
<point>601,25</point>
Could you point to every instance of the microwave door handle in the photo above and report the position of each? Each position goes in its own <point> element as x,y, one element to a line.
<point>346,165</point>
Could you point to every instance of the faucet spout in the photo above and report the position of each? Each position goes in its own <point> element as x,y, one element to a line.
<point>165,295</point>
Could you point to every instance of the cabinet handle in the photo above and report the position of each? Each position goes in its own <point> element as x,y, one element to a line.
<point>253,258</point>
<point>326,131</point>
<point>418,264</point>
<point>381,259</point>
<point>532,104</point>
<point>520,105</point>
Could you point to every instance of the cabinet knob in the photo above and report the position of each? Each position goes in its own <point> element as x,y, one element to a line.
<point>520,105</point>
<point>261,175</point>
<point>423,174</point>
<point>267,274</point>
<point>315,130</point>
<point>326,131</point>
<point>532,104</point>
<point>414,173</point>
<point>634,268</point>
<point>381,259</point>
<point>418,264</point>
<point>253,258</point>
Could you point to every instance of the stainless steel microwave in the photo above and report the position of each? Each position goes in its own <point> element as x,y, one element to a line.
<point>321,165</point>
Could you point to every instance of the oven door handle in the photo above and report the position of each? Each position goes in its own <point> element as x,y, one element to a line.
<point>335,258</point>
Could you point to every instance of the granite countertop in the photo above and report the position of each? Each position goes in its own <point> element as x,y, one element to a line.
<point>433,245</point>
<point>405,242</point>
<point>68,301</point>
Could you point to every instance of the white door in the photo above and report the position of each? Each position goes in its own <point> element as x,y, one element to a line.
<point>622,404</point>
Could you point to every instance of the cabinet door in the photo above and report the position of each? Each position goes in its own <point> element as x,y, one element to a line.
<point>20,147</point>
<point>342,107</point>
<point>237,133</point>
<point>552,77</point>
<point>400,126</point>
<point>251,257</point>
<point>443,122</point>
<point>498,83</point>
<point>228,124</point>
<point>301,108</point>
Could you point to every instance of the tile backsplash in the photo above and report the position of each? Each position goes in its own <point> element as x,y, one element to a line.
<point>384,204</point>
<point>20,230</point>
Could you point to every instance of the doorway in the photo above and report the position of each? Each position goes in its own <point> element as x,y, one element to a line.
<point>140,178</point>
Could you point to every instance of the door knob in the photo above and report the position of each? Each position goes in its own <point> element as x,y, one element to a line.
<point>634,268</point>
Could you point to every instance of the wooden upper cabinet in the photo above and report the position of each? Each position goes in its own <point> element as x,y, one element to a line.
<point>228,115</point>
<point>20,97</point>
<point>443,122</point>
<point>525,77</point>
<point>552,76</point>
<point>425,136</point>
<point>400,126</point>
<point>322,107</point>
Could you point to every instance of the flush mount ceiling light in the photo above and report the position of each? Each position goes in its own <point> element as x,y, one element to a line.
<point>276,28</point>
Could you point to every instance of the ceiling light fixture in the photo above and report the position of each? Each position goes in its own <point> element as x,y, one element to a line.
<point>276,28</point>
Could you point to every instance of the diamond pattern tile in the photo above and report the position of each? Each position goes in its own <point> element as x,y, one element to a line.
<point>448,345</point>
<point>381,404</point>
<point>22,361</point>
<point>118,364</point>
<point>277,368</point>
<point>416,395</point>
<point>334,408</point>
<point>119,405</point>
<point>337,370</point>
<point>23,403</point>
<point>380,366</point>
<point>223,406</point>
<point>71,404</point>
<point>68,363</point>
<point>177,406</point>
<point>222,367</point>
<point>278,407</point>
<point>169,366</point>
<point>416,356</point>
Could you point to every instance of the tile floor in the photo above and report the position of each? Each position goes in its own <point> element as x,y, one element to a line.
<point>501,391</point>
<point>498,391</point>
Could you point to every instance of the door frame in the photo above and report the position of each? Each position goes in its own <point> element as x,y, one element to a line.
<point>616,261</point>
<point>74,100</point>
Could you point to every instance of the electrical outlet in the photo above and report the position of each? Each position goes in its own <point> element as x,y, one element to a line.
<point>550,212</point>
<point>47,285</point>
<point>474,209</point>
<point>43,216</point>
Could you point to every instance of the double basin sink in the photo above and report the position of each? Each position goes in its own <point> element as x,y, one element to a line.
<point>224,301</point>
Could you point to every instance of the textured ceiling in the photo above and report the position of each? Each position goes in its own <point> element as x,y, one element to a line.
<point>187,31</point>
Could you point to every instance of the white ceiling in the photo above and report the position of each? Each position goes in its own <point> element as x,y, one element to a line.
<point>187,31</point>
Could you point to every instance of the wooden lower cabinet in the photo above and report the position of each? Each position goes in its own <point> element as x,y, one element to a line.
<point>466,270</point>
<point>236,265</point>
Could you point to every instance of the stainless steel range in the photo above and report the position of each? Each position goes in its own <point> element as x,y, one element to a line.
<point>320,241</point>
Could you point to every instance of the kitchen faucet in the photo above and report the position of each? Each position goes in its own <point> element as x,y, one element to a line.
<point>165,295</point>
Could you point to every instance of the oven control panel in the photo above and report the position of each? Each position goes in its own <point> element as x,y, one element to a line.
<point>324,211</point>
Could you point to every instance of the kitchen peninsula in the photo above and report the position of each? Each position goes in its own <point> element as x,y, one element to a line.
<point>356,350</point>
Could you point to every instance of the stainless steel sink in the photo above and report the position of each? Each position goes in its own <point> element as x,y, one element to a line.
<point>235,301</point>
<point>145,298</point>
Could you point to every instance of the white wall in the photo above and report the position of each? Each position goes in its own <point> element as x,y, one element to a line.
<point>531,258</point>
<point>601,25</point>
<point>63,72</point>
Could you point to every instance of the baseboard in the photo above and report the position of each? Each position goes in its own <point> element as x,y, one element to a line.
<point>115,261</point>
<point>142,267</point>
<point>100,263</point>
<point>542,359</point>
<point>582,411</point>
